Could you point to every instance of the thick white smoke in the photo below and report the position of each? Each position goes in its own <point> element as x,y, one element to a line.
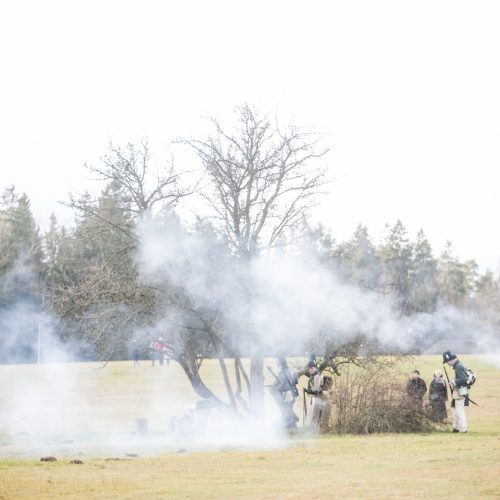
<point>284,300</point>
<point>281,300</point>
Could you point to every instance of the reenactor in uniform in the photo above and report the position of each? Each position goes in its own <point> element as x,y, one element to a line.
<point>459,392</point>
<point>316,404</point>
<point>284,390</point>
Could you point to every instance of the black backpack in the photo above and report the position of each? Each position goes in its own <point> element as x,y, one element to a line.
<point>471,378</point>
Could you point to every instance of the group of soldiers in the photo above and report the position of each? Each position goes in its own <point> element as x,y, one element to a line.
<point>416,389</point>
<point>316,406</point>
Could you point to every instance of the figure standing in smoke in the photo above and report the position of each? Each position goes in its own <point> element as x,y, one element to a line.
<point>135,356</point>
<point>153,353</point>
<point>284,390</point>
<point>135,353</point>
<point>316,406</point>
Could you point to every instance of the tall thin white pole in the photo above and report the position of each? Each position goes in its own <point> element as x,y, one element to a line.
<point>39,340</point>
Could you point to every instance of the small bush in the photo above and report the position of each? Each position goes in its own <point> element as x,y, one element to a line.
<point>373,399</point>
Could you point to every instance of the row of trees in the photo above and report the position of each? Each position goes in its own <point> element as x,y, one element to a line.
<point>408,271</point>
<point>259,183</point>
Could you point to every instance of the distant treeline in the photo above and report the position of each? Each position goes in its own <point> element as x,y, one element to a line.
<point>258,182</point>
<point>86,275</point>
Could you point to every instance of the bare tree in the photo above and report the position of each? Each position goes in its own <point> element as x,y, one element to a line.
<point>141,187</point>
<point>103,296</point>
<point>264,181</point>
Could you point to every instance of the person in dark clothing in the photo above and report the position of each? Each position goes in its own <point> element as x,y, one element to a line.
<point>135,356</point>
<point>415,390</point>
<point>285,386</point>
<point>153,353</point>
<point>438,396</point>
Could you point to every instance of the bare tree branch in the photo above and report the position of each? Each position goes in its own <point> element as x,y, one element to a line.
<point>262,179</point>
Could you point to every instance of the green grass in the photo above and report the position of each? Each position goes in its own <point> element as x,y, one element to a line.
<point>434,465</point>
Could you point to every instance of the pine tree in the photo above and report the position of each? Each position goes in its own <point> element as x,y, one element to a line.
<point>423,290</point>
<point>395,256</point>
<point>95,274</point>
<point>21,253</point>
<point>456,280</point>
<point>21,278</point>
<point>358,261</point>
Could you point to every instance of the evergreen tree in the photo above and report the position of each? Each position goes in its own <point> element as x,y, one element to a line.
<point>96,277</point>
<point>21,278</point>
<point>395,256</point>
<point>486,285</point>
<point>358,261</point>
<point>456,280</point>
<point>487,298</point>
<point>55,249</point>
<point>423,291</point>
<point>319,243</point>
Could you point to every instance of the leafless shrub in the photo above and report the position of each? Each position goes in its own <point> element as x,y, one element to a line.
<point>373,399</point>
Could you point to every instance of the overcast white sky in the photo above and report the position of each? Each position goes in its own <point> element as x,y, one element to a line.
<point>407,93</point>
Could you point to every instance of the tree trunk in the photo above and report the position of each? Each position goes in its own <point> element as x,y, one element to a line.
<point>227,383</point>
<point>239,389</point>
<point>257,382</point>
<point>191,370</point>
<point>244,373</point>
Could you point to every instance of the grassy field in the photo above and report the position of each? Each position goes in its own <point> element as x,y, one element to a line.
<point>109,400</point>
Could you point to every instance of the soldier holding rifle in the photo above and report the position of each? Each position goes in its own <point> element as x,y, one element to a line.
<point>459,391</point>
<point>284,390</point>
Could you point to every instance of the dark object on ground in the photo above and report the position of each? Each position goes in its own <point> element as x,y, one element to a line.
<point>48,459</point>
<point>78,462</point>
<point>131,455</point>
<point>181,451</point>
<point>112,459</point>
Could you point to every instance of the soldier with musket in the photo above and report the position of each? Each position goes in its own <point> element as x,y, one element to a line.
<point>459,393</point>
<point>316,404</point>
<point>284,390</point>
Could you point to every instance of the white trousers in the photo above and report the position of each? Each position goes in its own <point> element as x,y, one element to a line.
<point>458,420</point>
<point>318,413</point>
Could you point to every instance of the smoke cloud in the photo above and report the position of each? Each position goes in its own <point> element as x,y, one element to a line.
<point>281,301</point>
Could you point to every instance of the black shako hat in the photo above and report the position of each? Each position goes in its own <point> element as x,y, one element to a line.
<point>448,356</point>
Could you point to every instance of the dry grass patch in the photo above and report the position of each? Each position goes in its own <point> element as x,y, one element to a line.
<point>350,466</point>
<point>375,466</point>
